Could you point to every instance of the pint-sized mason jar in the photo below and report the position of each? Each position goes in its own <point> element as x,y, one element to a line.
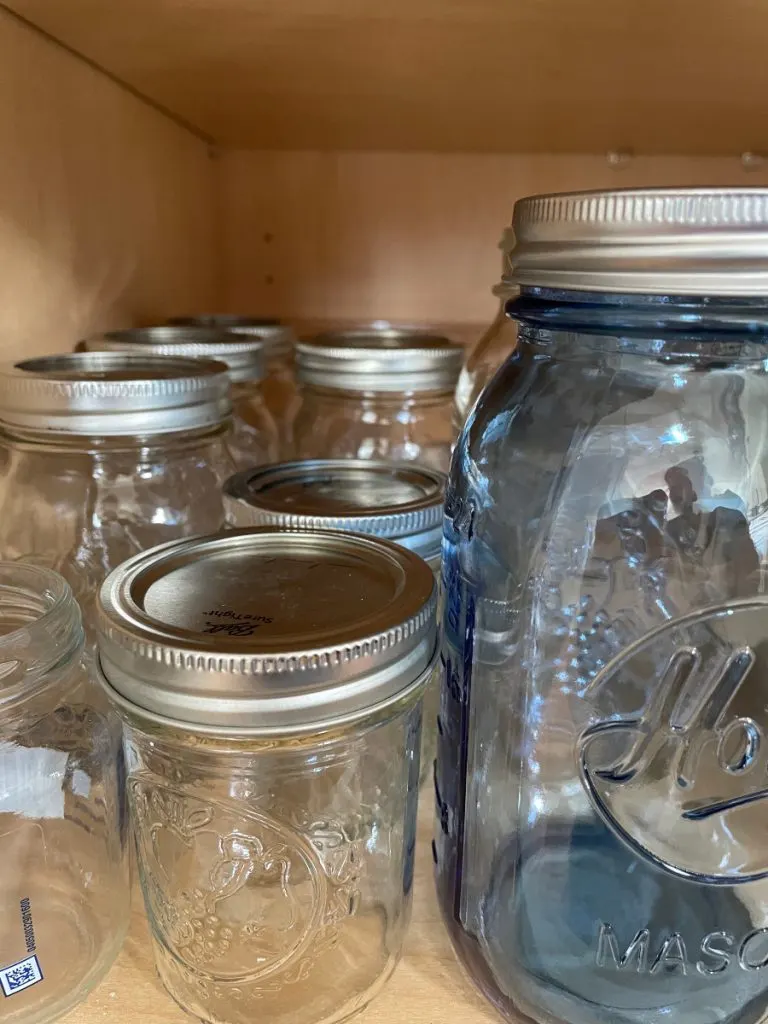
<point>401,502</point>
<point>64,886</point>
<point>109,453</point>
<point>493,346</point>
<point>270,685</point>
<point>253,439</point>
<point>602,768</point>
<point>278,387</point>
<point>377,393</point>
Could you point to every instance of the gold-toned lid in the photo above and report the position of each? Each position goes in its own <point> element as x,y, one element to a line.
<point>264,632</point>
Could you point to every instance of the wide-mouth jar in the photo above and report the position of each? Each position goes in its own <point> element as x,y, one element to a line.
<point>270,685</point>
<point>377,393</point>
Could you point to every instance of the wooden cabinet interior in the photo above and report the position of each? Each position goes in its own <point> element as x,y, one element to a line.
<point>335,160</point>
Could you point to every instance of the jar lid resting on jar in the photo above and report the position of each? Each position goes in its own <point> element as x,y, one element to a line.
<point>686,241</point>
<point>244,355</point>
<point>113,394</point>
<point>399,501</point>
<point>277,336</point>
<point>262,631</point>
<point>380,359</point>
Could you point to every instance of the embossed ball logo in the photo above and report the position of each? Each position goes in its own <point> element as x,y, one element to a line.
<point>675,759</point>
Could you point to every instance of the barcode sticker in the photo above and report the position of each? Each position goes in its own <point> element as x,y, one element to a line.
<point>21,975</point>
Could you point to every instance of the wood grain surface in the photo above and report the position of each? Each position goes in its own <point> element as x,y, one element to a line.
<point>660,76</point>
<point>427,987</point>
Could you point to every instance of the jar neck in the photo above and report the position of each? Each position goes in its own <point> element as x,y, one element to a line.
<point>381,398</point>
<point>49,441</point>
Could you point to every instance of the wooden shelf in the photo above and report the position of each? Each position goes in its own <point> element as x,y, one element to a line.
<point>426,988</point>
<point>657,76</point>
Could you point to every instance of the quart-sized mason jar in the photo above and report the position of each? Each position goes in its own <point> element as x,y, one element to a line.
<point>253,439</point>
<point>602,768</point>
<point>493,347</point>
<point>270,684</point>
<point>109,454</point>
<point>377,393</point>
<point>401,502</point>
<point>278,387</point>
<point>64,886</point>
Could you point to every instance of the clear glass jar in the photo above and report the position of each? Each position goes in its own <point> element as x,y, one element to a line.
<point>278,386</point>
<point>253,439</point>
<point>377,393</point>
<point>601,770</point>
<point>272,740</point>
<point>109,454</point>
<point>492,348</point>
<point>64,886</point>
<point>398,501</point>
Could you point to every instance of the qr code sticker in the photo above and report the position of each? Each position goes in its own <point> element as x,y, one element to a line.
<point>21,975</point>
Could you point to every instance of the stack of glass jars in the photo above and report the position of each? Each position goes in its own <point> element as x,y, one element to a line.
<point>377,393</point>
<point>254,438</point>
<point>401,502</point>
<point>278,388</point>
<point>493,347</point>
<point>271,684</point>
<point>108,454</point>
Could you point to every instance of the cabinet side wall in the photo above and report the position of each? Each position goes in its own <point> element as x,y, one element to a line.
<point>106,205</point>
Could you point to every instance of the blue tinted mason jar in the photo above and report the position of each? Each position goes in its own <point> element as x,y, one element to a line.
<point>602,767</point>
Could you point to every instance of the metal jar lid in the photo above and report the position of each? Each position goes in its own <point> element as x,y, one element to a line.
<point>380,359</point>
<point>244,355</point>
<point>683,241</point>
<point>399,501</point>
<point>113,394</point>
<point>276,336</point>
<point>507,288</point>
<point>266,632</point>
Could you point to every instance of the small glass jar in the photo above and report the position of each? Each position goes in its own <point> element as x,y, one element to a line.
<point>64,886</point>
<point>377,393</point>
<point>398,501</point>
<point>109,454</point>
<point>270,685</point>
<point>278,387</point>
<point>253,439</point>
<point>494,345</point>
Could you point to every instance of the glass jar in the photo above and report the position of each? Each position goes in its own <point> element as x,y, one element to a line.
<point>377,393</point>
<point>278,387</point>
<point>271,736</point>
<point>64,886</point>
<point>493,347</point>
<point>398,501</point>
<point>109,454</point>
<point>601,770</point>
<point>253,439</point>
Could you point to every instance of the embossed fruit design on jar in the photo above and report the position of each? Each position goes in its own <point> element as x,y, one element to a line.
<point>270,686</point>
<point>602,769</point>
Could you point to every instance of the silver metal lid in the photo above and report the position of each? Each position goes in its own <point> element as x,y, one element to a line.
<point>263,631</point>
<point>507,288</point>
<point>244,355</point>
<point>400,501</point>
<point>684,241</point>
<point>277,336</point>
<point>113,393</point>
<point>380,359</point>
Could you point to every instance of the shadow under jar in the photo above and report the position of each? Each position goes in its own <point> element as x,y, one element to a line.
<point>270,685</point>
<point>602,769</point>
<point>278,387</point>
<point>64,886</point>
<point>400,502</point>
<point>253,439</point>
<point>109,454</point>
<point>377,393</point>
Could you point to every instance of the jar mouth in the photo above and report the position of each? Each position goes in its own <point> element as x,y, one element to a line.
<point>40,626</point>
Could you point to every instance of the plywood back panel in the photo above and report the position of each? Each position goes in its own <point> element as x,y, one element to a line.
<point>106,206</point>
<point>409,237</point>
<point>660,76</point>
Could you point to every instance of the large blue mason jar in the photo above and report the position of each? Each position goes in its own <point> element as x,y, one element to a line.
<point>602,774</point>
